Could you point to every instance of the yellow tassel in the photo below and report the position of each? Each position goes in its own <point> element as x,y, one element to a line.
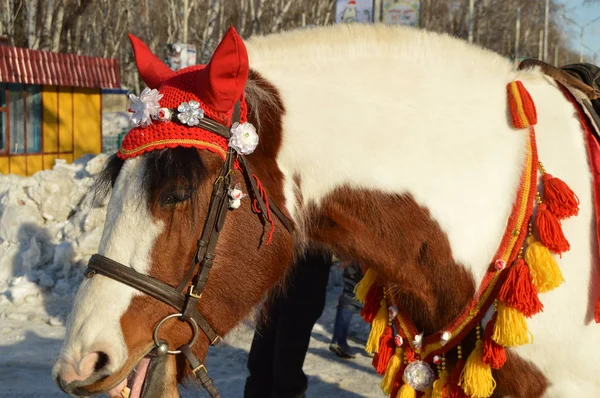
<point>387,383</point>
<point>377,328</point>
<point>427,393</point>
<point>406,391</point>
<point>362,288</point>
<point>543,267</point>
<point>439,383</point>
<point>511,328</point>
<point>476,378</point>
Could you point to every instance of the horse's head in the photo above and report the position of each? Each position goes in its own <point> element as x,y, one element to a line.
<point>172,184</point>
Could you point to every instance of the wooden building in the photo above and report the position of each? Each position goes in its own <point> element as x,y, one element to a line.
<point>50,107</point>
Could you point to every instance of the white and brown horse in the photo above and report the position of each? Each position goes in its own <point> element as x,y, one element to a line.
<point>387,145</point>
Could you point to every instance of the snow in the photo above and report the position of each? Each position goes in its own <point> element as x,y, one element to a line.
<point>49,228</point>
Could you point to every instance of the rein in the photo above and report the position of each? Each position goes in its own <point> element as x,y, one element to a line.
<point>186,303</point>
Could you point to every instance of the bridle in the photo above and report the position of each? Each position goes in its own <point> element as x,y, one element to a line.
<point>186,303</point>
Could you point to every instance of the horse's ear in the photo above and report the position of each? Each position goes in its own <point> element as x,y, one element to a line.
<point>152,70</point>
<point>222,82</point>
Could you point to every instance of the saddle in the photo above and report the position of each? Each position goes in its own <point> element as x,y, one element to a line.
<point>584,77</point>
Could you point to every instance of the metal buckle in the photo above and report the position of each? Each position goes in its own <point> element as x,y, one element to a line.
<point>191,321</point>
<point>198,368</point>
<point>216,341</point>
<point>89,273</point>
<point>194,295</point>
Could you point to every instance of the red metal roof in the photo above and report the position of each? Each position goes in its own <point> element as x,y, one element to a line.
<point>21,65</point>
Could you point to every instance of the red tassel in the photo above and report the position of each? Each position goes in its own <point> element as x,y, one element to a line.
<point>398,381</point>
<point>493,353</point>
<point>372,305</point>
<point>518,290</point>
<point>597,311</point>
<point>452,389</point>
<point>550,231</point>
<point>561,200</point>
<point>387,347</point>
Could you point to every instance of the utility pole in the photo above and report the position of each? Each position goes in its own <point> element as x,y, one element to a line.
<point>517,34</point>
<point>546,21</point>
<point>556,55</point>
<point>541,45</point>
<point>471,16</point>
<point>186,14</point>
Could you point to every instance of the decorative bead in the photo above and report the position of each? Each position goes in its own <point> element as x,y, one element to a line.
<point>437,359</point>
<point>398,340</point>
<point>392,311</point>
<point>418,340</point>
<point>445,338</point>
<point>499,264</point>
<point>419,375</point>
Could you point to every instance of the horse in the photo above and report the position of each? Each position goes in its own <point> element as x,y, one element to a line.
<point>391,146</point>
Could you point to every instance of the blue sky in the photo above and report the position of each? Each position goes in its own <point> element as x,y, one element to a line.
<point>583,15</point>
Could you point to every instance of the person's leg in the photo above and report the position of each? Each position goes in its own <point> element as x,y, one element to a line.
<point>260,358</point>
<point>306,293</point>
<point>339,344</point>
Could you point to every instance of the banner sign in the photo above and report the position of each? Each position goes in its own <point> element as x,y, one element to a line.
<point>180,55</point>
<point>402,12</point>
<point>348,11</point>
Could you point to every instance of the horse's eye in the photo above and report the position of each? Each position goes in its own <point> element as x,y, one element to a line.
<point>175,195</point>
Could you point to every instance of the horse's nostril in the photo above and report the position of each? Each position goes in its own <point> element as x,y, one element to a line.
<point>101,362</point>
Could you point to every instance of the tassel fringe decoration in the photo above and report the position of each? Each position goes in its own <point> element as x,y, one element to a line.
<point>518,290</point>
<point>393,367</point>
<point>545,272</point>
<point>550,231</point>
<point>371,306</point>
<point>597,311</point>
<point>439,384</point>
<point>386,351</point>
<point>427,393</point>
<point>362,288</point>
<point>406,391</point>
<point>476,379</point>
<point>561,200</point>
<point>377,328</point>
<point>510,329</point>
<point>493,353</point>
<point>398,381</point>
<point>451,389</point>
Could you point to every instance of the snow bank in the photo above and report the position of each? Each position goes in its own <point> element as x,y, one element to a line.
<point>49,228</point>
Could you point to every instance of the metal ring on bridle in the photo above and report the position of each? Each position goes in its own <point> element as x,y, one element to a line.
<point>191,321</point>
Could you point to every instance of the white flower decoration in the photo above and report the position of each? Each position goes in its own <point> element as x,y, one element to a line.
<point>145,107</point>
<point>235,197</point>
<point>243,138</point>
<point>190,113</point>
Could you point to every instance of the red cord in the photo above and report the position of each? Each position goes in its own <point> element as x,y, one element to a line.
<point>263,194</point>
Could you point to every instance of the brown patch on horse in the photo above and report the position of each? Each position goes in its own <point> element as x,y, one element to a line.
<point>240,274</point>
<point>519,379</point>
<point>406,246</point>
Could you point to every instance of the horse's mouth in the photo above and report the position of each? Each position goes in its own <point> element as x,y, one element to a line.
<point>133,385</point>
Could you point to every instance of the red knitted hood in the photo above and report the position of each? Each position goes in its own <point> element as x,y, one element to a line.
<point>216,87</point>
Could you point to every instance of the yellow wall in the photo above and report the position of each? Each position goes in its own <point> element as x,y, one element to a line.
<point>4,165</point>
<point>65,119</point>
<point>49,161</point>
<point>71,128</point>
<point>50,115</point>
<point>18,165</point>
<point>34,164</point>
<point>88,121</point>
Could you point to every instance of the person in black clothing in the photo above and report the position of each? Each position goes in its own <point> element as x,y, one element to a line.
<point>348,305</point>
<point>280,343</point>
